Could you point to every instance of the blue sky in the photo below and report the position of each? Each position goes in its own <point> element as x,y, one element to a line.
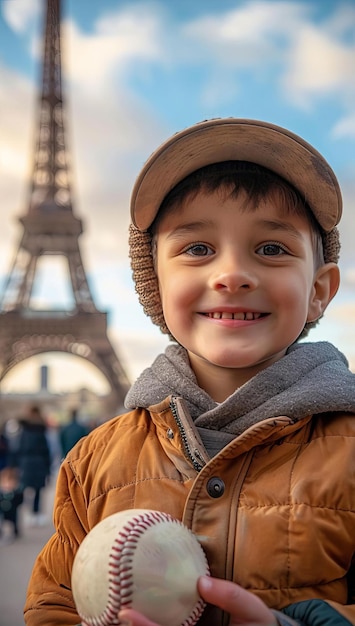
<point>136,72</point>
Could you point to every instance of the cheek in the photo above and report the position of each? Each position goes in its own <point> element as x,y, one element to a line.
<point>294,295</point>
<point>177,293</point>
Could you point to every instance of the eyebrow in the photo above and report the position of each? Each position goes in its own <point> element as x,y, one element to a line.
<point>274,225</point>
<point>278,225</point>
<point>189,227</point>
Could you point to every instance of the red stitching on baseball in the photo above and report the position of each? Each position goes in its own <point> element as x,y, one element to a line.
<point>120,584</point>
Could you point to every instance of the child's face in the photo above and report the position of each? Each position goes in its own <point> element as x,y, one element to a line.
<point>237,286</point>
<point>8,482</point>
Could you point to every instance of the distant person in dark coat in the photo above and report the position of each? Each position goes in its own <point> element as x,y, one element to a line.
<point>4,450</point>
<point>34,458</point>
<point>71,433</point>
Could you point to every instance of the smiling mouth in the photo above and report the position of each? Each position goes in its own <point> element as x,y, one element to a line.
<point>223,315</point>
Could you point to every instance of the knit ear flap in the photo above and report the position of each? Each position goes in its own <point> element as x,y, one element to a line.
<point>331,251</point>
<point>331,246</point>
<point>144,276</point>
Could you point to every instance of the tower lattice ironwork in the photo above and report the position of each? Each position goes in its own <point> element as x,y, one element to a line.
<point>50,227</point>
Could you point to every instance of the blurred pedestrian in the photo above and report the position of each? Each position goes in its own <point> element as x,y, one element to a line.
<point>4,450</point>
<point>34,459</point>
<point>71,433</point>
<point>12,431</point>
<point>11,497</point>
<point>53,438</point>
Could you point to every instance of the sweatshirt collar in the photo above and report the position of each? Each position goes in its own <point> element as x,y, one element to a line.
<point>311,378</point>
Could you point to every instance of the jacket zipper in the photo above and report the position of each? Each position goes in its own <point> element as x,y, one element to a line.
<point>189,455</point>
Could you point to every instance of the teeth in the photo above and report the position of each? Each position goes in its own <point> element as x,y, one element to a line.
<point>219,315</point>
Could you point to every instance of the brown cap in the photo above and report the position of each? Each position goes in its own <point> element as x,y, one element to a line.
<point>228,139</point>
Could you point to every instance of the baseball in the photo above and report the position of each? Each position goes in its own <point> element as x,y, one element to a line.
<point>140,559</point>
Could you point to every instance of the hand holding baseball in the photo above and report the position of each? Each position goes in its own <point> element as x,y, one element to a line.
<point>244,607</point>
<point>140,559</point>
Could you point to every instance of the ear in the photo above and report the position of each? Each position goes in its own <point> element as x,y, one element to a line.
<point>325,285</point>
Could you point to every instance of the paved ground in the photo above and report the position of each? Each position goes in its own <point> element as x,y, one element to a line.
<point>17,558</point>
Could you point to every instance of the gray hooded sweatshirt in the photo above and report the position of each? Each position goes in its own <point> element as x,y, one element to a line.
<point>312,378</point>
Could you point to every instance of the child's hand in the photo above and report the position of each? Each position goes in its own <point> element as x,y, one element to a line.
<point>243,607</point>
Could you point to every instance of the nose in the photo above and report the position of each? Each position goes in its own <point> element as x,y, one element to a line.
<point>232,271</point>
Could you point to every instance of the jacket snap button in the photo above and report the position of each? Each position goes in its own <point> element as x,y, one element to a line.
<point>170,433</point>
<point>215,487</point>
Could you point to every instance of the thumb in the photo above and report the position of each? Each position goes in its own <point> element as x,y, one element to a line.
<point>243,606</point>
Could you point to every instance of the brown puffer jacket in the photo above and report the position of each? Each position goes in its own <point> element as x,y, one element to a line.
<point>274,510</point>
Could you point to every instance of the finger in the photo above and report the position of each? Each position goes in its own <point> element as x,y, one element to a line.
<point>130,617</point>
<point>242,605</point>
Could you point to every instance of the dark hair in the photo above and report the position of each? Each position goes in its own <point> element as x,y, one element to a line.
<point>256,181</point>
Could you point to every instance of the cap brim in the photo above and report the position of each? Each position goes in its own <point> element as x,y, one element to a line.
<point>218,140</point>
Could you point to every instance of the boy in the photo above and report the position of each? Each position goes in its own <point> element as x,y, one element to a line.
<point>237,429</point>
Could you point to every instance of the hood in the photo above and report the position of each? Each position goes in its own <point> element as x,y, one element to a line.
<point>311,378</point>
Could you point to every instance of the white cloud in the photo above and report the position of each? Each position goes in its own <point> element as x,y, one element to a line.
<point>17,108</point>
<point>248,37</point>
<point>318,65</point>
<point>312,59</point>
<point>137,30</point>
<point>18,15</point>
<point>96,58</point>
<point>345,127</point>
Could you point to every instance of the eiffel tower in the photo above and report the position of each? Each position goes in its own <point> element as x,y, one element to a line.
<point>51,228</point>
